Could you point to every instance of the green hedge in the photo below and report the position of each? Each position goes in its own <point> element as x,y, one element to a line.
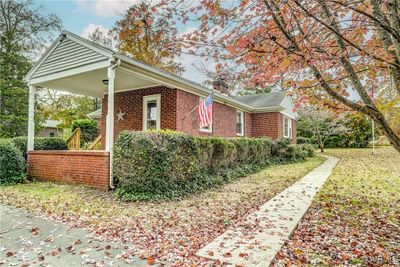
<point>41,143</point>
<point>164,164</point>
<point>12,164</point>
<point>89,130</point>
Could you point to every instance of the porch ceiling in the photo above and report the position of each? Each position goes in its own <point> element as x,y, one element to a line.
<point>91,83</point>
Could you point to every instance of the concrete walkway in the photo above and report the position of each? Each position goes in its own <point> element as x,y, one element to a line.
<point>257,240</point>
<point>27,240</point>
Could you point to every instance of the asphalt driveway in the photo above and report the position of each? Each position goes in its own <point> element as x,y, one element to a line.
<point>27,240</point>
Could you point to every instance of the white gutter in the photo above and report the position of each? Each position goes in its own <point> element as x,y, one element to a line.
<point>111,150</point>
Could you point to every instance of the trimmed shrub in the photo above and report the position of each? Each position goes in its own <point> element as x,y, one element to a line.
<point>159,164</point>
<point>89,130</point>
<point>12,164</point>
<point>41,143</point>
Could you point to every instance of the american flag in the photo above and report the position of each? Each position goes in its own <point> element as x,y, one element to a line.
<point>206,111</point>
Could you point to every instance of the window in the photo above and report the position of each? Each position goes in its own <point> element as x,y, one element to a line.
<point>51,134</point>
<point>287,127</point>
<point>209,128</point>
<point>151,112</point>
<point>239,123</point>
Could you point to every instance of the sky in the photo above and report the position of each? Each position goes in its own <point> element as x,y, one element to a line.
<point>83,16</point>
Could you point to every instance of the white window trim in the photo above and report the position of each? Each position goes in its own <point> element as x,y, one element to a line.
<point>290,129</point>
<point>205,130</point>
<point>241,121</point>
<point>146,99</point>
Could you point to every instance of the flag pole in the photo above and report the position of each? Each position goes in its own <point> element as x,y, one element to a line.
<point>191,111</point>
<point>373,123</point>
<point>373,137</point>
<point>212,93</point>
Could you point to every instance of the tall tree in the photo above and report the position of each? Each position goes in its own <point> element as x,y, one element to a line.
<point>101,38</point>
<point>149,37</point>
<point>24,28</point>
<point>327,48</point>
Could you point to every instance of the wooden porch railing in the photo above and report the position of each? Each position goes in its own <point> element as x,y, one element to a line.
<point>74,140</point>
<point>96,145</point>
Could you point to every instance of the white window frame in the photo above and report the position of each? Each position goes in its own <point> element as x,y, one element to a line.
<point>241,122</point>
<point>289,132</point>
<point>146,99</point>
<point>208,129</point>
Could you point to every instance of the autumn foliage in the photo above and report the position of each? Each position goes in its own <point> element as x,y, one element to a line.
<point>148,37</point>
<point>342,53</point>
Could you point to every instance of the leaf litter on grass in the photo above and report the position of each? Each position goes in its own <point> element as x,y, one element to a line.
<point>355,219</point>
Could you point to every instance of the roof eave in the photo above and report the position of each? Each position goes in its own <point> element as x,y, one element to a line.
<point>268,109</point>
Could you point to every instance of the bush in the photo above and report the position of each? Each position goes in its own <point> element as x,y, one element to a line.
<point>12,164</point>
<point>89,130</point>
<point>41,143</point>
<point>303,140</point>
<point>151,165</point>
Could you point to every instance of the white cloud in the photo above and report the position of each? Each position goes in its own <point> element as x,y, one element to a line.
<point>89,29</point>
<point>105,8</point>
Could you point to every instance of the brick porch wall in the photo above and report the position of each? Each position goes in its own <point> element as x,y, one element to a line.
<point>67,166</point>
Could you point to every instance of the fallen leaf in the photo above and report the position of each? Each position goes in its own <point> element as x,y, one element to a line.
<point>49,239</point>
<point>151,260</point>
<point>35,231</point>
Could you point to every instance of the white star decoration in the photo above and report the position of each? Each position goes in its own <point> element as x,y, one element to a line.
<point>120,115</point>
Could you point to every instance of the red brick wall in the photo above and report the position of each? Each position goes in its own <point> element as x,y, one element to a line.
<point>131,103</point>
<point>294,131</point>
<point>267,124</point>
<point>248,125</point>
<point>224,117</point>
<point>175,108</point>
<point>67,166</point>
<point>187,123</point>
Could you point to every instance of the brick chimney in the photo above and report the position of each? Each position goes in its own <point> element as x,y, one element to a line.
<point>221,86</point>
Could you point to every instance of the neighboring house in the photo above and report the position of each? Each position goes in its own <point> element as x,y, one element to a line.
<point>49,129</point>
<point>136,96</point>
<point>96,115</point>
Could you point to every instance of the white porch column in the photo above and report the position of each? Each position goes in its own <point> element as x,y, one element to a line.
<point>110,109</point>
<point>31,117</point>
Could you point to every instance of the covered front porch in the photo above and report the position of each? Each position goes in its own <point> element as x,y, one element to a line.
<point>75,65</point>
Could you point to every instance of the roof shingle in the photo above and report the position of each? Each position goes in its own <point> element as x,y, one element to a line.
<point>267,100</point>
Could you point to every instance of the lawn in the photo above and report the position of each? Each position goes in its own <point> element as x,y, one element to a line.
<point>355,219</point>
<point>170,231</point>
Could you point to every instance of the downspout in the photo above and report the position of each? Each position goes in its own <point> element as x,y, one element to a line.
<point>112,147</point>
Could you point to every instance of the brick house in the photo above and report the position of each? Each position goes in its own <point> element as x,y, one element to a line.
<point>273,116</point>
<point>138,97</point>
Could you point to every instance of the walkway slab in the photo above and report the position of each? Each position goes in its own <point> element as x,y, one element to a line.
<point>256,241</point>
